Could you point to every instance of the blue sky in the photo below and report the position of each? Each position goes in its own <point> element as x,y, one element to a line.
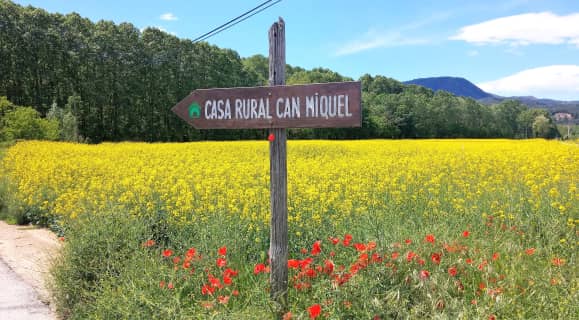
<point>508,47</point>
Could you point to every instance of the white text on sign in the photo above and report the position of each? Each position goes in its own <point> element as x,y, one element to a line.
<point>314,106</point>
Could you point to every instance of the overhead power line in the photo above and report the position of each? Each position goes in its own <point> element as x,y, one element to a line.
<point>238,19</point>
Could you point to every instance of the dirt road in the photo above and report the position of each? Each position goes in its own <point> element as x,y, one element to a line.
<point>25,254</point>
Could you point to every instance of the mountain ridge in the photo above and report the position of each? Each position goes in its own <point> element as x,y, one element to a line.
<point>464,88</point>
<point>455,85</point>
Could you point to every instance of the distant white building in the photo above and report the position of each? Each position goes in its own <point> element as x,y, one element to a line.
<point>562,116</point>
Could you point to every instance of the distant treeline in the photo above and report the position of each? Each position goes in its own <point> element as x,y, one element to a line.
<point>119,83</point>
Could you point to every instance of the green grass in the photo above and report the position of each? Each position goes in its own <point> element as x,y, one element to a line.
<point>106,272</point>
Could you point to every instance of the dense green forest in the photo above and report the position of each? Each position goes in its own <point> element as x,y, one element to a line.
<point>111,82</point>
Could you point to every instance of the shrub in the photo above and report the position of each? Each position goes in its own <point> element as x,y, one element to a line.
<point>98,251</point>
<point>25,123</point>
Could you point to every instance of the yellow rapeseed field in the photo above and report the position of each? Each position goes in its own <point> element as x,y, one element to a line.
<point>329,181</point>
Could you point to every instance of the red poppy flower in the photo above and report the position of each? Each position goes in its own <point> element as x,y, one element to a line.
<point>347,240</point>
<point>334,240</point>
<point>170,285</point>
<point>214,281</point>
<point>530,251</point>
<point>186,265</point>
<point>452,271</point>
<point>495,256</point>
<point>408,241</point>
<point>167,253</point>
<point>302,285</point>
<point>492,317</point>
<point>314,311</point>
<point>223,299</point>
<point>287,315</point>
<point>424,274</point>
<point>558,262</point>
<point>259,268</point>
<point>371,245</point>
<point>147,244</point>
<point>162,284</point>
<point>395,255</point>
<point>468,261</point>
<point>235,293</point>
<point>207,289</point>
<point>429,238</point>
<point>328,266</point>
<point>221,262</point>
<point>316,248</point>
<point>190,253</point>
<point>222,251</point>
<point>293,263</point>
<point>482,265</point>
<point>421,262</point>
<point>465,233</point>
<point>227,280</point>
<point>176,260</point>
<point>360,247</point>
<point>311,273</point>
<point>230,272</point>
<point>354,268</point>
<point>435,258</point>
<point>306,262</point>
<point>410,255</point>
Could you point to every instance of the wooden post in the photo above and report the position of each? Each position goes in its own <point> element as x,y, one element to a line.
<point>278,243</point>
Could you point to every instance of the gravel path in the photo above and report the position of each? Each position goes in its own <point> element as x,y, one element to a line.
<point>25,254</point>
<point>18,300</point>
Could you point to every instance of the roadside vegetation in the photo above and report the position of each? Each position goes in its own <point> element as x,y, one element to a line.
<point>437,229</point>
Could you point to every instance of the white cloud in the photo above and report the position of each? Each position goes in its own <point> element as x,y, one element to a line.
<point>524,29</point>
<point>472,53</point>
<point>555,82</point>
<point>373,40</point>
<point>397,37</point>
<point>168,17</point>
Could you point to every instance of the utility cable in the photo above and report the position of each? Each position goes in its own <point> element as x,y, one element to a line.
<point>235,21</point>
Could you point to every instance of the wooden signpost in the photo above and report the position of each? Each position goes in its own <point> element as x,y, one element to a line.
<point>322,105</point>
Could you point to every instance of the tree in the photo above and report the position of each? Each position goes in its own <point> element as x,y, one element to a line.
<point>5,106</point>
<point>543,127</point>
<point>25,123</point>
<point>69,129</point>
<point>316,75</point>
<point>259,65</point>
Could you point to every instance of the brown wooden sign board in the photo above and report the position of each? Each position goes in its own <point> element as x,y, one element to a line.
<point>320,105</point>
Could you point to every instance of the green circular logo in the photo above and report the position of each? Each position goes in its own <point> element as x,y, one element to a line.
<point>194,111</point>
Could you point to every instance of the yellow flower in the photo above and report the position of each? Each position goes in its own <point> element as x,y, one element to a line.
<point>328,181</point>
